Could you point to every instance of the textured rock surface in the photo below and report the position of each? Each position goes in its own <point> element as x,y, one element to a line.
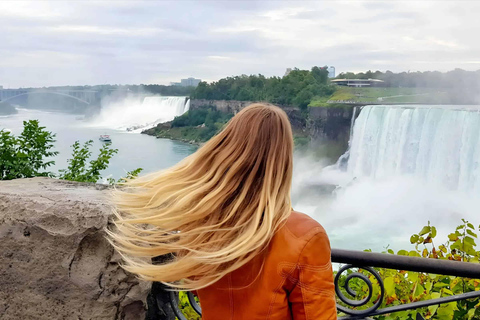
<point>54,260</point>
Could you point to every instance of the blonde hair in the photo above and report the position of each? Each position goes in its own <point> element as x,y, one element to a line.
<point>215,210</point>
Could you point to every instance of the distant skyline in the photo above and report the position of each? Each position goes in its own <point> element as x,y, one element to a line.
<point>48,43</point>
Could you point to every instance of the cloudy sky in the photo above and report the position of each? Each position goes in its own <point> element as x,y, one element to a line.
<point>86,42</point>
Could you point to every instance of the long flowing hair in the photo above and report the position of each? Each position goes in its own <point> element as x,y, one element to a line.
<point>215,210</point>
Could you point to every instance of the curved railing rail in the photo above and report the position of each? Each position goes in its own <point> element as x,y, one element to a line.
<point>367,262</point>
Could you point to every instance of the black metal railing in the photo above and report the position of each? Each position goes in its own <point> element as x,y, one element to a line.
<point>367,262</point>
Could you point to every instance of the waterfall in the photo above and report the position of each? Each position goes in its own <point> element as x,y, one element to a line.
<point>133,115</point>
<point>439,145</point>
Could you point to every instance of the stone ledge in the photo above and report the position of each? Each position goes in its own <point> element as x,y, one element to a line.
<point>55,262</point>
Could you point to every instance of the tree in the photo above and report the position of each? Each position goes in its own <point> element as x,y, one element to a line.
<point>26,156</point>
<point>77,166</point>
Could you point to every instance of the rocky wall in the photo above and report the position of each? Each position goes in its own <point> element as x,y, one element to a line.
<point>55,262</point>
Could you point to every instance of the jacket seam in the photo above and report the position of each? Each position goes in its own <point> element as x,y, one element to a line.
<point>284,276</point>
<point>324,292</point>
<point>300,273</point>
<point>308,267</point>
<point>315,230</point>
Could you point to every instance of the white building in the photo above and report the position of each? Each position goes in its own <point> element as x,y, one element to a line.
<point>189,82</point>
<point>331,72</point>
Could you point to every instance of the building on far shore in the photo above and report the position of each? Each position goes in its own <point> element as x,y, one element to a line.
<point>189,82</point>
<point>358,82</point>
<point>331,72</point>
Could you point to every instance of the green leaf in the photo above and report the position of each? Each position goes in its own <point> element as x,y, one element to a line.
<point>452,237</point>
<point>414,238</point>
<point>413,254</point>
<point>470,226</point>
<point>433,309</point>
<point>389,286</point>
<point>470,241</point>
<point>470,232</point>
<point>434,232</point>
<point>428,286</point>
<point>419,290</point>
<point>425,230</point>
<point>456,245</point>
<point>471,313</point>
<point>413,276</point>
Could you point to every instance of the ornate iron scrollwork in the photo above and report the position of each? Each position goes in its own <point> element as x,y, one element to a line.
<point>174,301</point>
<point>358,303</point>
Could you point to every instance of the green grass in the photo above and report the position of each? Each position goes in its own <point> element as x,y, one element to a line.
<point>379,95</point>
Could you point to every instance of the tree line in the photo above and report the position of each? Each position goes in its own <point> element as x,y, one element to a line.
<point>457,78</point>
<point>297,88</point>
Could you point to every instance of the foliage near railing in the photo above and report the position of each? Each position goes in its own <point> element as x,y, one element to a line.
<point>403,287</point>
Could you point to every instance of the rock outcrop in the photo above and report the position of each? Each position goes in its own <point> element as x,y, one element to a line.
<point>55,262</point>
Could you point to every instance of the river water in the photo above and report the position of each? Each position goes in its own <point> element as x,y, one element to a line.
<point>407,166</point>
<point>134,150</point>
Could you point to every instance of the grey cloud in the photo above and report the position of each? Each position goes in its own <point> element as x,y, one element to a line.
<point>350,36</point>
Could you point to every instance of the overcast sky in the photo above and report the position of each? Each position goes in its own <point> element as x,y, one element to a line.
<point>85,42</point>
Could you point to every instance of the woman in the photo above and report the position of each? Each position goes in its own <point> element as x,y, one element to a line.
<point>223,218</point>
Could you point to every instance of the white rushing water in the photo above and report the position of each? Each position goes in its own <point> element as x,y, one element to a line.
<point>134,115</point>
<point>437,145</point>
<point>407,165</point>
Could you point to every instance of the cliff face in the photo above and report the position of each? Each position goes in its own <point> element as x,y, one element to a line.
<point>55,262</point>
<point>233,106</point>
<point>330,123</point>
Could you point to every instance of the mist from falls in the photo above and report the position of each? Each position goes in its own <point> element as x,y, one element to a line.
<point>135,115</point>
<point>407,165</point>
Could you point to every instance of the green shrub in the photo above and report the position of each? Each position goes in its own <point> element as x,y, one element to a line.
<point>26,156</point>
<point>403,287</point>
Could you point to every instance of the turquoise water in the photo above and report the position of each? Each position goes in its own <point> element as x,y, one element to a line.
<point>134,149</point>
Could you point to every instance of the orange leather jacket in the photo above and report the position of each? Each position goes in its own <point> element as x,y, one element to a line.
<point>295,282</point>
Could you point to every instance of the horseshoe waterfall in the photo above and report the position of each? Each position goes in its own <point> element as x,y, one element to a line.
<point>134,115</point>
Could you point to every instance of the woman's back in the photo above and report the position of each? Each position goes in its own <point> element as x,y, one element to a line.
<point>295,281</point>
<point>223,217</point>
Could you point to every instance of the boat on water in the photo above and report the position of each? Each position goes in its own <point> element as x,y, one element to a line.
<point>105,138</point>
